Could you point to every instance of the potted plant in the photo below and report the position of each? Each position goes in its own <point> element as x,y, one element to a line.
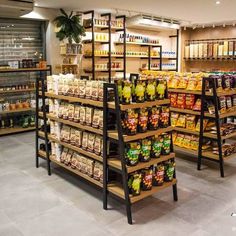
<point>69,27</point>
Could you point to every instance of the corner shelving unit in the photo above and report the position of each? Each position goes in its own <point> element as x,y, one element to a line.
<point>118,164</point>
<point>29,110</point>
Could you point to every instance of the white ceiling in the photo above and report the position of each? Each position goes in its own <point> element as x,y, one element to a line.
<point>192,11</point>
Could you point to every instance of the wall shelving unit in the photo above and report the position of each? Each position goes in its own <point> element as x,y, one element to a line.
<point>24,111</point>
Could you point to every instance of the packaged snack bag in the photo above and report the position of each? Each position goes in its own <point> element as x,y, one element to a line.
<point>153,118</point>
<point>190,122</point>
<point>190,100</point>
<point>145,152</point>
<point>157,143</point>
<point>134,183</point>
<point>147,179</point>
<point>132,152</point>
<point>158,175</point>
<point>181,122</point>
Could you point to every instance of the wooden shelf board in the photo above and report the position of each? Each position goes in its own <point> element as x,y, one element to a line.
<point>17,91</point>
<point>24,70</point>
<point>75,99</point>
<point>135,43</point>
<point>72,147</point>
<point>117,190</point>
<point>17,111</point>
<point>84,176</point>
<point>116,163</point>
<point>128,138</point>
<point>184,130</point>
<point>187,111</point>
<point>15,130</point>
<point>77,125</point>
<point>140,105</point>
<point>42,154</point>
<point>184,91</point>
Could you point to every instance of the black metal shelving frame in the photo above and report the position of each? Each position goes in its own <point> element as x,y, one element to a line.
<point>121,147</point>
<point>41,81</point>
<point>216,117</point>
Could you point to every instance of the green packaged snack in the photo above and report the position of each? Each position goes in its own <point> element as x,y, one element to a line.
<point>153,118</point>
<point>132,152</point>
<point>147,179</point>
<point>145,153</point>
<point>140,88</point>
<point>157,143</point>
<point>169,171</point>
<point>151,90</point>
<point>134,183</point>
<point>161,89</point>
<point>166,144</point>
<point>158,175</point>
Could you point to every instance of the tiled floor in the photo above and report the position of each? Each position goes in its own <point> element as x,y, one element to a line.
<point>33,203</point>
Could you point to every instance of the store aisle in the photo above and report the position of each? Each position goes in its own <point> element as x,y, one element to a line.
<point>32,203</point>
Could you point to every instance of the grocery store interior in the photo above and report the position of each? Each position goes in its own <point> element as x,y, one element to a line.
<point>117,117</point>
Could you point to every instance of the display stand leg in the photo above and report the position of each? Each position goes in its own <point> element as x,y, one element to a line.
<point>37,124</point>
<point>105,171</point>
<point>45,126</point>
<point>199,163</point>
<point>175,192</point>
<point>217,121</point>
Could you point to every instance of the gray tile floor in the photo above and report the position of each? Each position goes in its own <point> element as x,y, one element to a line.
<point>33,203</point>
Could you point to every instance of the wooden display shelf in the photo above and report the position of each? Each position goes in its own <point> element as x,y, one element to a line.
<point>105,70</point>
<point>184,130</point>
<point>75,99</point>
<point>207,154</point>
<point>73,124</point>
<point>140,105</point>
<point>17,111</point>
<point>116,189</point>
<point>135,43</point>
<point>222,93</point>
<point>187,111</point>
<point>84,176</point>
<point>23,70</point>
<point>17,91</point>
<point>184,91</point>
<point>128,138</point>
<point>223,137</point>
<point>42,154</point>
<point>72,147</point>
<point>15,130</point>
<point>116,163</point>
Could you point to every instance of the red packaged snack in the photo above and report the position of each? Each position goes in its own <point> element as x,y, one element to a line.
<point>173,99</point>
<point>181,100</point>
<point>143,120</point>
<point>190,100</point>
<point>153,118</point>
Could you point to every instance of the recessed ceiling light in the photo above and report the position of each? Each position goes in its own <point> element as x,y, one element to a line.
<point>217,2</point>
<point>36,4</point>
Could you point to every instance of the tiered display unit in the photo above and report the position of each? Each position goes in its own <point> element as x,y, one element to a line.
<point>118,164</point>
<point>38,72</point>
<point>202,114</point>
<point>108,162</point>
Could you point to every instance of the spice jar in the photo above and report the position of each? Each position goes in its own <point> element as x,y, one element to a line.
<point>145,153</point>
<point>134,183</point>
<point>142,120</point>
<point>153,118</point>
<point>132,152</point>
<point>158,175</point>
<point>146,179</point>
